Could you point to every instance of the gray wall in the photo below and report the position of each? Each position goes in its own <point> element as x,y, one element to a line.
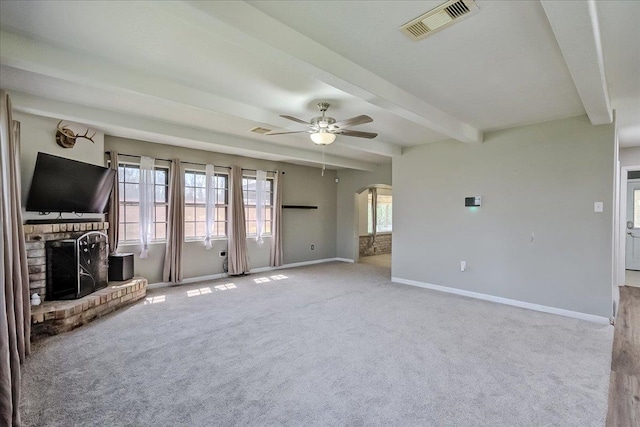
<point>352,181</point>
<point>302,185</point>
<point>38,134</point>
<point>541,179</point>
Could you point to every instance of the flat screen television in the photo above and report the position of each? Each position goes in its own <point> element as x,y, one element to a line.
<point>64,185</point>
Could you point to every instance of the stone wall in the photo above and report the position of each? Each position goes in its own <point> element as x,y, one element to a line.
<point>35,237</point>
<point>381,246</point>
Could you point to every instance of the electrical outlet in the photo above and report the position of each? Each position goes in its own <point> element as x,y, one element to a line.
<point>313,247</point>
<point>222,254</point>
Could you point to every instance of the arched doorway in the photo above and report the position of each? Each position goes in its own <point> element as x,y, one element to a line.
<point>374,224</point>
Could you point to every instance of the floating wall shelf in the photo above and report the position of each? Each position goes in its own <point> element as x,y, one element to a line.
<point>298,207</point>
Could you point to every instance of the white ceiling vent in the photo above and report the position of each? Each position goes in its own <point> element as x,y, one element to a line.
<point>438,18</point>
<point>260,130</point>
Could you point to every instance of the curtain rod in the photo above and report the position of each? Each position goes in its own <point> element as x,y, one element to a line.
<point>189,163</point>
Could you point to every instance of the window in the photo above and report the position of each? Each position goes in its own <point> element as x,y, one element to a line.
<point>249,194</point>
<point>129,187</point>
<point>636,208</point>
<point>383,213</point>
<point>195,215</point>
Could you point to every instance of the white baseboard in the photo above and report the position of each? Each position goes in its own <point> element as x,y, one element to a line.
<point>187,281</point>
<point>262,269</point>
<point>299,264</point>
<point>507,301</point>
<point>203,278</point>
<point>253,270</point>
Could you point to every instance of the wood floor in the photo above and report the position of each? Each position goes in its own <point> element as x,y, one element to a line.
<point>624,385</point>
<point>377,260</point>
<point>632,278</point>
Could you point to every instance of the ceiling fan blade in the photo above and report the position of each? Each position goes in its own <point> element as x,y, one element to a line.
<point>284,133</point>
<point>353,121</point>
<point>357,134</point>
<point>294,119</point>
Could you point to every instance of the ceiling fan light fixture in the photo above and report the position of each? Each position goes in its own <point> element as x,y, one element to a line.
<point>322,138</point>
<point>323,129</point>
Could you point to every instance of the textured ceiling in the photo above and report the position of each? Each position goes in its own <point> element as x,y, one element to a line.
<point>210,69</point>
<point>482,69</point>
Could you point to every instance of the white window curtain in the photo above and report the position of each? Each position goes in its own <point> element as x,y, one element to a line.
<point>210,202</point>
<point>147,182</point>
<point>261,203</point>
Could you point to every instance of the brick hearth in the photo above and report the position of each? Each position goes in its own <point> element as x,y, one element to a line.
<point>55,317</point>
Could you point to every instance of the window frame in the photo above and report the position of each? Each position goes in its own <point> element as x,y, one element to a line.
<point>370,216</point>
<point>388,206</point>
<point>123,203</point>
<point>195,205</point>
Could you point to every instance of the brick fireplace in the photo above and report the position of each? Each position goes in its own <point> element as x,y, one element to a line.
<point>55,317</point>
<point>36,236</point>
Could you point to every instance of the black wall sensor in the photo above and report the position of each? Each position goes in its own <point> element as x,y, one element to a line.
<point>473,201</point>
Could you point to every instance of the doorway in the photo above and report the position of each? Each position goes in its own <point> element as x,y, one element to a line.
<point>375,225</point>
<point>632,252</point>
<point>631,224</point>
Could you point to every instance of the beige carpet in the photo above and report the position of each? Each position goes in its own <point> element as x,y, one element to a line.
<point>327,345</point>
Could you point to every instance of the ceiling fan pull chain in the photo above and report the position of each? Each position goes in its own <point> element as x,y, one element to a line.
<point>323,165</point>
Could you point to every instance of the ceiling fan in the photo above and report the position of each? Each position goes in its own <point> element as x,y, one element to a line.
<point>323,129</point>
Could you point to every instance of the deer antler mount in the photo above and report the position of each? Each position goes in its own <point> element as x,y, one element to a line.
<point>66,138</point>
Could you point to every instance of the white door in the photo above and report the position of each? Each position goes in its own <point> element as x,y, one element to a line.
<point>633,226</point>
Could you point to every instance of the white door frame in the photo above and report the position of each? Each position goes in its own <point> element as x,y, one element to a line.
<point>622,222</point>
<point>356,223</point>
<point>631,184</point>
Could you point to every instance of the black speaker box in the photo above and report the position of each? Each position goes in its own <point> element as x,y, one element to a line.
<point>120,267</point>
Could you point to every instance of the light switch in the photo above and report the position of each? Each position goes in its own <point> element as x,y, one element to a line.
<point>598,207</point>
